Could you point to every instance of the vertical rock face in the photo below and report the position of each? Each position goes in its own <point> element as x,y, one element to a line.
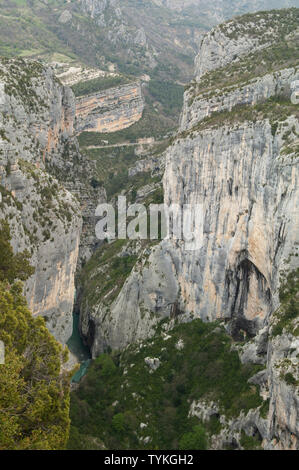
<point>284,402</point>
<point>110,110</point>
<point>250,227</point>
<point>237,156</point>
<point>36,116</point>
<point>94,7</point>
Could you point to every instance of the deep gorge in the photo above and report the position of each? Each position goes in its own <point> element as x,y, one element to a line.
<point>178,349</point>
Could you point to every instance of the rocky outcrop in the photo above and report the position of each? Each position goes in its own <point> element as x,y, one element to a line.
<point>154,164</point>
<point>50,229</point>
<point>230,435</point>
<point>201,106</point>
<point>110,110</point>
<point>135,37</point>
<point>284,402</point>
<point>236,272</point>
<point>149,294</point>
<point>95,7</point>
<point>230,41</point>
<point>36,116</point>
<point>248,192</point>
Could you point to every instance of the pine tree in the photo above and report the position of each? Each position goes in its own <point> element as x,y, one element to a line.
<point>34,392</point>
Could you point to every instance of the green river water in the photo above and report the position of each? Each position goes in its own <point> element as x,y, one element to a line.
<point>78,348</point>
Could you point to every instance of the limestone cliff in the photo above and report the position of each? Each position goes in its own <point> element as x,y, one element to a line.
<point>229,42</point>
<point>237,155</point>
<point>36,117</point>
<point>110,110</point>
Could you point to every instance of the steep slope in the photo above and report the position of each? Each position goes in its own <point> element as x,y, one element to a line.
<point>262,131</point>
<point>36,116</point>
<point>236,154</point>
<point>153,36</point>
<point>70,36</point>
<point>134,36</point>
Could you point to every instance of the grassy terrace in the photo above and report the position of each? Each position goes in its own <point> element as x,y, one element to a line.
<point>276,109</point>
<point>280,56</point>
<point>205,368</point>
<point>99,84</point>
<point>281,51</point>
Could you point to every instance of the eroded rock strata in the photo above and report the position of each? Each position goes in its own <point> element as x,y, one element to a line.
<point>110,110</point>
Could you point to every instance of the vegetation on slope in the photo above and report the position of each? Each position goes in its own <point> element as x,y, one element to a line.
<point>31,28</point>
<point>112,165</point>
<point>276,109</point>
<point>286,318</point>
<point>262,25</point>
<point>283,52</point>
<point>166,96</point>
<point>34,394</point>
<point>21,78</point>
<point>98,84</point>
<point>105,273</point>
<point>120,392</point>
<point>152,124</point>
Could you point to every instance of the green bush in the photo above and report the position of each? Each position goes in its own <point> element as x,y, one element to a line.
<point>250,442</point>
<point>118,423</point>
<point>195,440</point>
<point>289,307</point>
<point>98,84</point>
<point>290,379</point>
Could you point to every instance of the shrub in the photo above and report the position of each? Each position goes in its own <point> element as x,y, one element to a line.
<point>195,440</point>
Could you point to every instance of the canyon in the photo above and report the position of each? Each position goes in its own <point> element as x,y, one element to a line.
<point>235,152</point>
